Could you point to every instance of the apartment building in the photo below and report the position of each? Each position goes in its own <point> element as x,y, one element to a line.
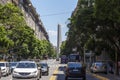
<point>31,17</point>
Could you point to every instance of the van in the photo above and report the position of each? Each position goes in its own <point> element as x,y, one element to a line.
<point>5,69</point>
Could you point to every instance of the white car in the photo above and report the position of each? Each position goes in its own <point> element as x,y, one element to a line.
<point>26,69</point>
<point>5,69</point>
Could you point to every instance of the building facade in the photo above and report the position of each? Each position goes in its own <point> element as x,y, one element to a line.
<point>31,17</point>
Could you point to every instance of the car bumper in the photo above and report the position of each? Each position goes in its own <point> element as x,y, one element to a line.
<point>17,75</point>
<point>44,70</point>
<point>75,75</point>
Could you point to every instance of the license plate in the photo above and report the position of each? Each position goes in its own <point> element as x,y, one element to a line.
<point>75,69</point>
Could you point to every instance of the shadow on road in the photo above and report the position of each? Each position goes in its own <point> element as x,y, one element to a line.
<point>60,77</point>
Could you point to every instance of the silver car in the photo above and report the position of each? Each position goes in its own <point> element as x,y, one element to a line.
<point>44,68</point>
<point>98,67</point>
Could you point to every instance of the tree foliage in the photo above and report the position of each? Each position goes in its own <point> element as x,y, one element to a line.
<point>19,38</point>
<point>95,25</point>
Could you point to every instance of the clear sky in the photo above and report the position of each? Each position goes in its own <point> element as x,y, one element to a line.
<point>54,12</point>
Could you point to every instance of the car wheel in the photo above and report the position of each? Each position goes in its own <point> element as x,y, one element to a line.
<point>47,73</point>
<point>38,78</point>
<point>13,78</point>
<point>105,72</point>
<point>84,78</point>
<point>91,71</point>
<point>40,75</point>
<point>66,77</point>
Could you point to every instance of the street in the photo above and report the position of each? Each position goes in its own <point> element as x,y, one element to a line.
<point>52,64</point>
<point>56,72</point>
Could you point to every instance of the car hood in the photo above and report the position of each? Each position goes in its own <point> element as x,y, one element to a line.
<point>25,69</point>
<point>3,68</point>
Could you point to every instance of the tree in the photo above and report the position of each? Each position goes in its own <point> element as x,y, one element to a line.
<point>5,42</point>
<point>19,38</point>
<point>108,18</point>
<point>81,26</point>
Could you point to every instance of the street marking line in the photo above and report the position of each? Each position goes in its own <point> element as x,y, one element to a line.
<point>53,77</point>
<point>100,77</point>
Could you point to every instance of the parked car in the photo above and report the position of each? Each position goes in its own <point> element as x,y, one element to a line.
<point>75,70</point>
<point>44,68</point>
<point>99,67</point>
<point>12,65</point>
<point>5,68</point>
<point>26,69</point>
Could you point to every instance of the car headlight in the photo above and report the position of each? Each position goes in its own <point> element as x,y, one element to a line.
<point>35,72</point>
<point>3,70</point>
<point>15,72</point>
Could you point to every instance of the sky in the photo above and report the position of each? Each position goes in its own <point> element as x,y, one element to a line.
<point>54,12</point>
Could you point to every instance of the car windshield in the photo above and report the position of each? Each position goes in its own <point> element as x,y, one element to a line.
<point>43,64</point>
<point>100,64</point>
<point>74,65</point>
<point>26,65</point>
<point>74,57</point>
<point>2,64</point>
<point>13,64</point>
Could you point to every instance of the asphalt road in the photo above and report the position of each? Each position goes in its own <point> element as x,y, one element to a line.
<point>52,64</point>
<point>54,67</point>
<point>60,75</point>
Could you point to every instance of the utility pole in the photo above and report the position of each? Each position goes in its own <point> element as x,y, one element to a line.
<point>58,40</point>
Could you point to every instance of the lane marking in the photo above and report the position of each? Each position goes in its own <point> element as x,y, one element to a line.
<point>54,75</point>
<point>100,77</point>
<point>53,78</point>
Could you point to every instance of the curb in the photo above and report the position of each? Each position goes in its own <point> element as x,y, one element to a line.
<point>98,76</point>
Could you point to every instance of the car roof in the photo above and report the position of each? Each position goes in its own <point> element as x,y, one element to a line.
<point>14,62</point>
<point>26,61</point>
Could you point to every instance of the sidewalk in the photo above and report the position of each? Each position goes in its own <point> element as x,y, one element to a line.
<point>113,77</point>
<point>108,76</point>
